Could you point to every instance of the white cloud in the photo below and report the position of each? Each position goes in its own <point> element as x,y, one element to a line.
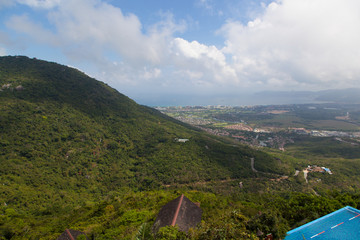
<point>151,74</point>
<point>294,44</point>
<point>196,50</point>
<point>106,27</point>
<point>26,26</point>
<point>210,7</point>
<point>47,4</point>
<point>194,74</point>
<point>298,43</point>
<point>205,4</point>
<point>92,28</point>
<point>194,57</point>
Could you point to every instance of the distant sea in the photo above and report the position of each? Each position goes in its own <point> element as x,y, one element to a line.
<point>238,100</point>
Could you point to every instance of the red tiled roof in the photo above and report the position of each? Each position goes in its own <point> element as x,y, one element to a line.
<point>180,211</point>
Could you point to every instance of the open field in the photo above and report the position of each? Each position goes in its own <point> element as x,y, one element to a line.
<point>335,125</point>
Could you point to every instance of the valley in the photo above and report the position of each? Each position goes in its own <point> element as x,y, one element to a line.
<point>274,125</point>
<point>301,135</point>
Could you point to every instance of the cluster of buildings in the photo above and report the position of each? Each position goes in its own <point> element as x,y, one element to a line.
<point>324,133</point>
<point>315,168</point>
<point>335,134</point>
<point>240,127</point>
<point>8,86</point>
<point>217,132</point>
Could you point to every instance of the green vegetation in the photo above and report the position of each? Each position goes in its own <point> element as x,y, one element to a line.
<point>131,215</point>
<point>68,139</point>
<point>77,154</point>
<point>323,148</point>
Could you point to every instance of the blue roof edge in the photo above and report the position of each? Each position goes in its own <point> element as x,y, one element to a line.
<point>323,217</point>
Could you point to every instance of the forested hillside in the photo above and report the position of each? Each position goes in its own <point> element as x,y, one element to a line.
<point>67,138</point>
<point>75,153</point>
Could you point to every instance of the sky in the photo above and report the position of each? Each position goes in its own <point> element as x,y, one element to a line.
<point>199,52</point>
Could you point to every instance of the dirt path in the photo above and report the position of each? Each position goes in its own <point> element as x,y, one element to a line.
<point>202,182</point>
<point>316,193</point>
<point>278,177</point>
<point>305,175</point>
<point>252,165</point>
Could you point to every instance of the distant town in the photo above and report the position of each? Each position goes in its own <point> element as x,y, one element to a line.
<point>272,126</point>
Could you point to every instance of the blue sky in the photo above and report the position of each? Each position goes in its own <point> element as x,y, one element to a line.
<point>164,52</point>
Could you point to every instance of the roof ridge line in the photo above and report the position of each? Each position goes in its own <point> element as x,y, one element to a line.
<point>177,210</point>
<point>68,232</point>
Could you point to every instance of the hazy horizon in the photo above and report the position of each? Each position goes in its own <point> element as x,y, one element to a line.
<point>240,100</point>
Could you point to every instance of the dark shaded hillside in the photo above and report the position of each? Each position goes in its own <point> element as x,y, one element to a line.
<point>67,138</point>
